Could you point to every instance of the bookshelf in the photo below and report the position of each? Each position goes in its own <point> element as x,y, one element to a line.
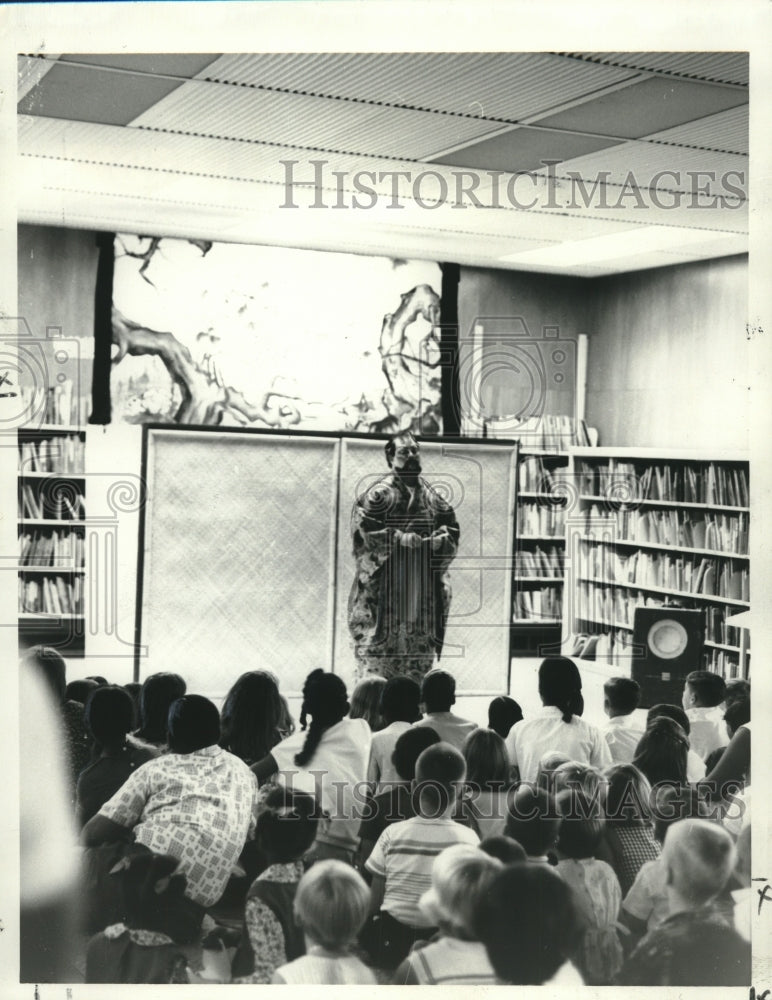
<point>652,528</point>
<point>537,585</point>
<point>52,536</point>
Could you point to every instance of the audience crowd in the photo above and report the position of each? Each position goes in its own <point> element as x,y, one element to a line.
<point>386,839</point>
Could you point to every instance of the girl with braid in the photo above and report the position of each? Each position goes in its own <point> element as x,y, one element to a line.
<point>327,758</point>
<point>559,725</point>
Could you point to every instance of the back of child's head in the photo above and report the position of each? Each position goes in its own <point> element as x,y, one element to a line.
<point>707,688</point>
<point>662,752</point>
<point>503,713</point>
<point>533,820</point>
<point>573,774</point>
<point>739,688</point>
<point>150,884</point>
<point>628,796</point>
<point>622,694</point>
<point>325,699</point>
<point>401,700</point>
<point>156,697</point>
<point>548,764</point>
<point>438,691</point>
<point>507,850</point>
<point>460,876</point>
<point>528,922</point>
<point>331,904</point>
<point>439,772</point>
<point>366,701</point>
<point>674,712</point>
<point>672,804</point>
<point>409,747</point>
<point>286,824</point>
<point>194,723</point>
<point>109,715</point>
<point>560,685</point>
<point>487,759</point>
<point>699,857</point>
<point>582,824</point>
<point>736,714</point>
<point>80,690</point>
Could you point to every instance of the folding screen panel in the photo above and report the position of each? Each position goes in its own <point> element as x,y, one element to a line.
<point>238,551</point>
<point>478,479</point>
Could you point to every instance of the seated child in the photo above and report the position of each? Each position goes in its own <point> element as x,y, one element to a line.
<point>548,764</point>
<point>507,851</point>
<point>399,708</point>
<point>460,876</point>
<point>286,828</point>
<point>534,822</point>
<point>331,905</point>
<point>503,713</point>
<point>703,695</point>
<point>646,905</point>
<point>628,836</point>
<point>695,945</point>
<point>596,887</point>
<point>395,802</point>
<point>488,781</point>
<point>145,947</point>
<point>401,861</point>
<point>528,921</point>
<point>580,776</point>
<point>695,765</point>
<point>621,697</point>
<point>109,717</point>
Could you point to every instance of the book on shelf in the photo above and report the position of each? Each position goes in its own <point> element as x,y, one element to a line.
<point>680,528</point>
<point>547,562</point>
<point>62,406</point>
<point>720,484</point>
<point>534,518</point>
<point>685,574</point>
<point>51,595</point>
<point>61,453</point>
<point>52,548</point>
<point>538,603</point>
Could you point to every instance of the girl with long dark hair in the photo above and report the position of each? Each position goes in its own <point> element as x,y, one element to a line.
<point>327,758</point>
<point>251,716</point>
<point>558,726</point>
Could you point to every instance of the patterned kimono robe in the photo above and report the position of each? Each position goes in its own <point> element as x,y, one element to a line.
<point>399,603</point>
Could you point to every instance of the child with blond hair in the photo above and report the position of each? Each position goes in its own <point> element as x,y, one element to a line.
<point>696,944</point>
<point>460,877</point>
<point>331,905</point>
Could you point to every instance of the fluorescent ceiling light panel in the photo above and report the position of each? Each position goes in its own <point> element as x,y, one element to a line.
<point>616,245</point>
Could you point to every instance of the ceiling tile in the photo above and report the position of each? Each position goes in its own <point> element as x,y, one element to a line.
<point>494,85</point>
<point>727,131</point>
<point>88,94</point>
<point>722,67</point>
<point>523,149</point>
<point>649,106</point>
<point>182,64</point>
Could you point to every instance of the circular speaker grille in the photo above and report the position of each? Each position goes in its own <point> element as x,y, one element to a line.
<point>667,639</point>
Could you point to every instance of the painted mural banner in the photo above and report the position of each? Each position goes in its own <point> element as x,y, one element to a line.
<point>264,337</point>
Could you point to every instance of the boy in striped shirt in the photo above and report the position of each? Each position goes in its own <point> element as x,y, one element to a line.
<point>401,861</point>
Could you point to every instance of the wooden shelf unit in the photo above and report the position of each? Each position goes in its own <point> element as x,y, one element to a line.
<point>537,582</point>
<point>52,573</point>
<point>626,547</point>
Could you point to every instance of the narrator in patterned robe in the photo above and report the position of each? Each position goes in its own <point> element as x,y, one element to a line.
<point>405,536</point>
